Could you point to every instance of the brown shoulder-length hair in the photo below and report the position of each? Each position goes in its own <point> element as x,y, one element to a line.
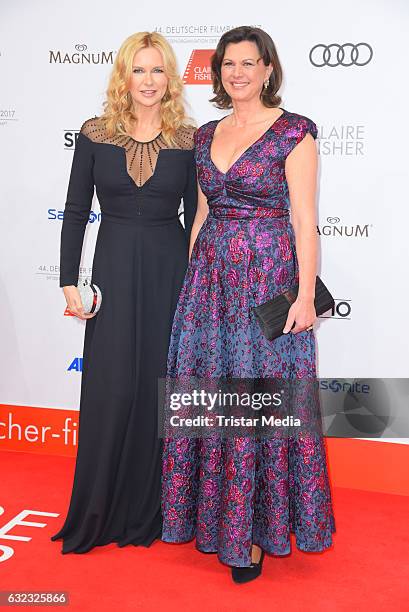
<point>269,55</point>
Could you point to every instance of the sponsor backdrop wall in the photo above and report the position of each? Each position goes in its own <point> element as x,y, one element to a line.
<point>342,69</point>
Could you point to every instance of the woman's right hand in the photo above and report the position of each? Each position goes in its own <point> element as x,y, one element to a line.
<point>74,303</point>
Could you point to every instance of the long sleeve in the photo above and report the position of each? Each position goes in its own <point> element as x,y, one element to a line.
<point>76,212</point>
<point>190,198</point>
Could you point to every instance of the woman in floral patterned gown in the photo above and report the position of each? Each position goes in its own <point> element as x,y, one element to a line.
<point>241,496</point>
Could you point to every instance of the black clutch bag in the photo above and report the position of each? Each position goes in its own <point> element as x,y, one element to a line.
<point>272,315</point>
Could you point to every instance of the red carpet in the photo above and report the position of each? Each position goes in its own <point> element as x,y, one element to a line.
<point>367,568</point>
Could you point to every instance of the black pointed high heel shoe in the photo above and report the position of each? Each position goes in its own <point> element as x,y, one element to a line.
<point>241,575</point>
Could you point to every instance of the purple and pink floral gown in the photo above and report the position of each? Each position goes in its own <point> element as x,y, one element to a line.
<point>235,491</point>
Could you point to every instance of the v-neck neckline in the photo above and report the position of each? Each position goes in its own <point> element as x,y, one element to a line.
<point>247,149</point>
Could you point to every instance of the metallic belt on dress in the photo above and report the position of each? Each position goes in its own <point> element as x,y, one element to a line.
<point>255,212</point>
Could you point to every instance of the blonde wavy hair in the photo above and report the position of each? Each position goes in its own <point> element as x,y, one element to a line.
<point>118,117</point>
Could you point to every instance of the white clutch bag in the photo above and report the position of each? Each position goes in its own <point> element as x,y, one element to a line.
<point>91,296</point>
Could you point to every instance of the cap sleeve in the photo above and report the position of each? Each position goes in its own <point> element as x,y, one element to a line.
<point>297,132</point>
<point>202,137</point>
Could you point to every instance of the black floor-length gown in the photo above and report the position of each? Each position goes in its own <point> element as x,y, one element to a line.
<point>140,260</point>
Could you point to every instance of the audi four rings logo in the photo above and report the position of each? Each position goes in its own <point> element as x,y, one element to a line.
<point>341,55</point>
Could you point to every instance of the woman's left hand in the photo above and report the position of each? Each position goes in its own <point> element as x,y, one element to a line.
<point>303,313</point>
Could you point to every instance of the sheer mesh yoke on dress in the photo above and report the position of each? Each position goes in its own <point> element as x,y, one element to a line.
<point>141,157</point>
<point>139,263</point>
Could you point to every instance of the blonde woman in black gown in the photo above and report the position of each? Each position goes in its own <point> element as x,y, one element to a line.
<point>138,157</point>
